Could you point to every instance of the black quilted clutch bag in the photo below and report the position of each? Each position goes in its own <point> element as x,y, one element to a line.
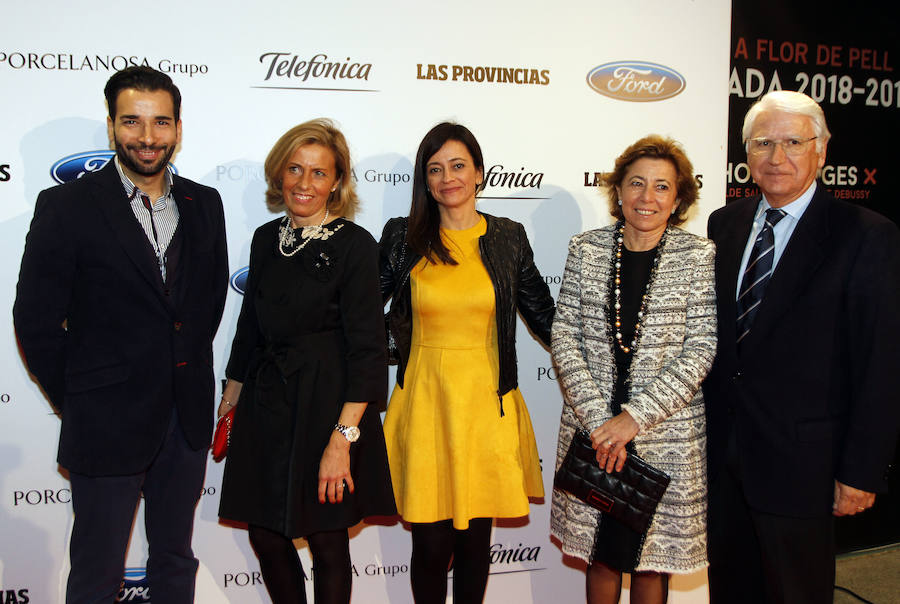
<point>629,496</point>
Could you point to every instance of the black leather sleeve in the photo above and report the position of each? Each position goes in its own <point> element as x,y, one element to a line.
<point>391,237</point>
<point>533,297</point>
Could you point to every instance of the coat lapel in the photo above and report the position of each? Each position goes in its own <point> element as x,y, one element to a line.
<point>110,198</point>
<point>729,251</point>
<point>801,258</point>
<point>187,223</point>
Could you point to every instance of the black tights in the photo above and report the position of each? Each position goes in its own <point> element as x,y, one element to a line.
<point>604,585</point>
<point>283,574</point>
<point>434,544</point>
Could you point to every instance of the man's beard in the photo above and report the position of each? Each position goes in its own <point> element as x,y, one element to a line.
<point>138,167</point>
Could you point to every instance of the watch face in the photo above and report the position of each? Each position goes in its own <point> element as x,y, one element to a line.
<point>351,433</point>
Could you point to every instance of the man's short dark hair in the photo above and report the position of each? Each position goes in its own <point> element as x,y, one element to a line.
<point>140,77</point>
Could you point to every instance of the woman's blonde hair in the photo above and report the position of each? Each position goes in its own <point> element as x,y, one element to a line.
<point>321,131</point>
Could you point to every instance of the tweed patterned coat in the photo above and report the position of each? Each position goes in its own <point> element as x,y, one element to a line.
<point>674,354</point>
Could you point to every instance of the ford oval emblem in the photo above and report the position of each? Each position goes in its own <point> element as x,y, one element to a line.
<point>636,81</point>
<point>75,166</point>
<point>239,280</point>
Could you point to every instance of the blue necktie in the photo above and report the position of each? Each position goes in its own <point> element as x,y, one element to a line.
<point>757,274</point>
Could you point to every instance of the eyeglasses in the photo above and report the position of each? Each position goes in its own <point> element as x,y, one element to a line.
<point>790,146</point>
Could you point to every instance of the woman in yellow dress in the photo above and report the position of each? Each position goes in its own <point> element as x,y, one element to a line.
<point>460,443</point>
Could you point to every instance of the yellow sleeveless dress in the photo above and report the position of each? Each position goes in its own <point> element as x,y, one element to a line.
<point>452,455</point>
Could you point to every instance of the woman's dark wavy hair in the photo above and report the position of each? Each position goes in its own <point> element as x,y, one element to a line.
<point>424,230</point>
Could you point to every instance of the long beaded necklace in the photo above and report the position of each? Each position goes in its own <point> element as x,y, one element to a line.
<point>620,238</point>
<point>287,238</point>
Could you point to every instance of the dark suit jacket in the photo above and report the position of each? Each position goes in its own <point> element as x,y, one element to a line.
<point>130,348</point>
<point>815,394</point>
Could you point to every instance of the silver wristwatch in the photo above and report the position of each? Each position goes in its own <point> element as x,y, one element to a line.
<point>351,433</point>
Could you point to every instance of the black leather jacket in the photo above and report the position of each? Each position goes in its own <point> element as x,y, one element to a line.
<point>509,261</point>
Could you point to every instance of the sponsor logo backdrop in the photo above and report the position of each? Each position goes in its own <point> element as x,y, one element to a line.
<point>553,95</point>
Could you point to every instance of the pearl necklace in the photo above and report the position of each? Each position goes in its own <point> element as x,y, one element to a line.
<point>620,238</point>
<point>287,238</point>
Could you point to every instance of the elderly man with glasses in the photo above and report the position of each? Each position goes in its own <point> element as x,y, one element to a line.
<point>802,401</point>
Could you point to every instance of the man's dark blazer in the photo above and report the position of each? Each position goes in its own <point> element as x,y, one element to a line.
<point>112,347</point>
<point>815,394</point>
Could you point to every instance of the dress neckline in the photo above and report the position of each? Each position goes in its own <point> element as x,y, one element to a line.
<point>476,228</point>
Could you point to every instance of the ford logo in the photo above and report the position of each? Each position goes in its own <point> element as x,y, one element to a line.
<point>239,280</point>
<point>635,81</point>
<point>75,166</point>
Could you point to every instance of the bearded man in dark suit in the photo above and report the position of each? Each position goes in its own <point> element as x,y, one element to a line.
<point>120,294</point>
<point>802,401</point>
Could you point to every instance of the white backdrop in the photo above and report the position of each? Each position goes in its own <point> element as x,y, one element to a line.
<point>516,76</point>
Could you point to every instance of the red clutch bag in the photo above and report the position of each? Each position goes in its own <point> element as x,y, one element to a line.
<point>222,437</point>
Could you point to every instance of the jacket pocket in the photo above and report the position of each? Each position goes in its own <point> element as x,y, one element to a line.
<point>97,377</point>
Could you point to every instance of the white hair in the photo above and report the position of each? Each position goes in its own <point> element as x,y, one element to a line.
<point>789,102</point>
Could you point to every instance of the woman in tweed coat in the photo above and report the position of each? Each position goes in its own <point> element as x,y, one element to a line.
<point>650,367</point>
